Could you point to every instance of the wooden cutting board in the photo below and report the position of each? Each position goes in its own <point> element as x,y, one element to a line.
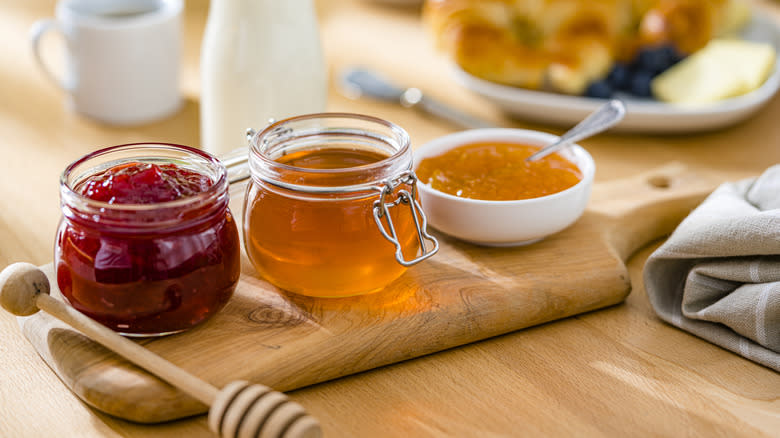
<point>463,294</point>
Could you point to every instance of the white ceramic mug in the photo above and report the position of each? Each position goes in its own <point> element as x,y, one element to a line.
<point>122,63</point>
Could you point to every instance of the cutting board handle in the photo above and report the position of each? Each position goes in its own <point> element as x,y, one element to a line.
<point>648,206</point>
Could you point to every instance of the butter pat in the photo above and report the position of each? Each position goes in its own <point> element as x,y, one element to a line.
<point>722,69</point>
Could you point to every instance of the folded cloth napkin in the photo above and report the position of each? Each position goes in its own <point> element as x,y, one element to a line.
<point>718,274</point>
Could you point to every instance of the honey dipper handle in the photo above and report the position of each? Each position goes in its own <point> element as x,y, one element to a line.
<point>24,289</point>
<point>137,354</point>
<point>239,410</point>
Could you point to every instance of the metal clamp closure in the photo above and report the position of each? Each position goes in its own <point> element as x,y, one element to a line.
<point>382,211</point>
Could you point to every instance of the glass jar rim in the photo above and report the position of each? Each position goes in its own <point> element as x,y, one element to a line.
<point>258,151</point>
<point>217,186</point>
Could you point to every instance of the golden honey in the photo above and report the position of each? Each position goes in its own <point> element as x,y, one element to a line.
<point>310,217</point>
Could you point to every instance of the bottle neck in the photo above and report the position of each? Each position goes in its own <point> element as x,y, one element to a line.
<point>288,12</point>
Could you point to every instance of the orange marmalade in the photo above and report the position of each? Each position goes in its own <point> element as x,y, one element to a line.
<point>496,171</point>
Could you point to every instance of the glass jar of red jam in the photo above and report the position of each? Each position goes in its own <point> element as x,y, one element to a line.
<point>332,209</point>
<point>147,245</point>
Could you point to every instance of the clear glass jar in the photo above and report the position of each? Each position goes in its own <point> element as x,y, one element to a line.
<point>332,209</point>
<point>147,269</point>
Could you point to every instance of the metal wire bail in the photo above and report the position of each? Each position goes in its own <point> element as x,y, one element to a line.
<point>382,210</point>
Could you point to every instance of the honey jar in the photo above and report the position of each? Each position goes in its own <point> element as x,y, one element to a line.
<point>147,245</point>
<point>332,208</point>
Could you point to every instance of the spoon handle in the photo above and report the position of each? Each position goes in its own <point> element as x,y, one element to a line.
<point>605,117</point>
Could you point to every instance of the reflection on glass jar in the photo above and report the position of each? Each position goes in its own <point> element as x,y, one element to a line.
<point>152,256</point>
<point>331,210</point>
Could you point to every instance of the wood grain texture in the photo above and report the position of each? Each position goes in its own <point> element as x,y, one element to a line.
<point>616,372</point>
<point>464,294</point>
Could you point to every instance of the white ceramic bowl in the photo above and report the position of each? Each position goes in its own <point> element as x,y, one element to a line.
<point>504,223</point>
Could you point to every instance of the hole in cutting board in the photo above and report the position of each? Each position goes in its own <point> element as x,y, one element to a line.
<point>659,181</point>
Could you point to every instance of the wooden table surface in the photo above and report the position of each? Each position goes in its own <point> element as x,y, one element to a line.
<point>614,372</point>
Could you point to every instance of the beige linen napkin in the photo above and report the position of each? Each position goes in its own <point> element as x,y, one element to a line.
<point>718,274</point>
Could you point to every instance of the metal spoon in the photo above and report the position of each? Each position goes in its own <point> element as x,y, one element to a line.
<point>356,82</point>
<point>605,117</point>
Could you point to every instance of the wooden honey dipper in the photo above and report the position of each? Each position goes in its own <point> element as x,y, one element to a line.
<point>240,409</point>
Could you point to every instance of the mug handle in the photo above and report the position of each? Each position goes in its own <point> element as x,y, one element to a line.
<point>38,29</point>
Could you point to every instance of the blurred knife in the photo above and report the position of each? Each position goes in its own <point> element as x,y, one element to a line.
<point>356,82</point>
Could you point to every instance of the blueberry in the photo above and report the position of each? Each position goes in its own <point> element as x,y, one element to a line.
<point>619,77</point>
<point>640,83</point>
<point>657,59</point>
<point>601,89</point>
<point>673,55</point>
<point>651,60</point>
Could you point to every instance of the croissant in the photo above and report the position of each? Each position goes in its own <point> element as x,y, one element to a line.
<point>563,45</point>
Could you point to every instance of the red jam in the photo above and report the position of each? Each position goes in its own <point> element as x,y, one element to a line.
<point>156,271</point>
<point>143,183</point>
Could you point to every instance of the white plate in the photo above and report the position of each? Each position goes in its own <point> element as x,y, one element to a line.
<point>644,115</point>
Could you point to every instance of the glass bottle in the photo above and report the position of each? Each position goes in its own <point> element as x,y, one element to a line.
<point>260,59</point>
